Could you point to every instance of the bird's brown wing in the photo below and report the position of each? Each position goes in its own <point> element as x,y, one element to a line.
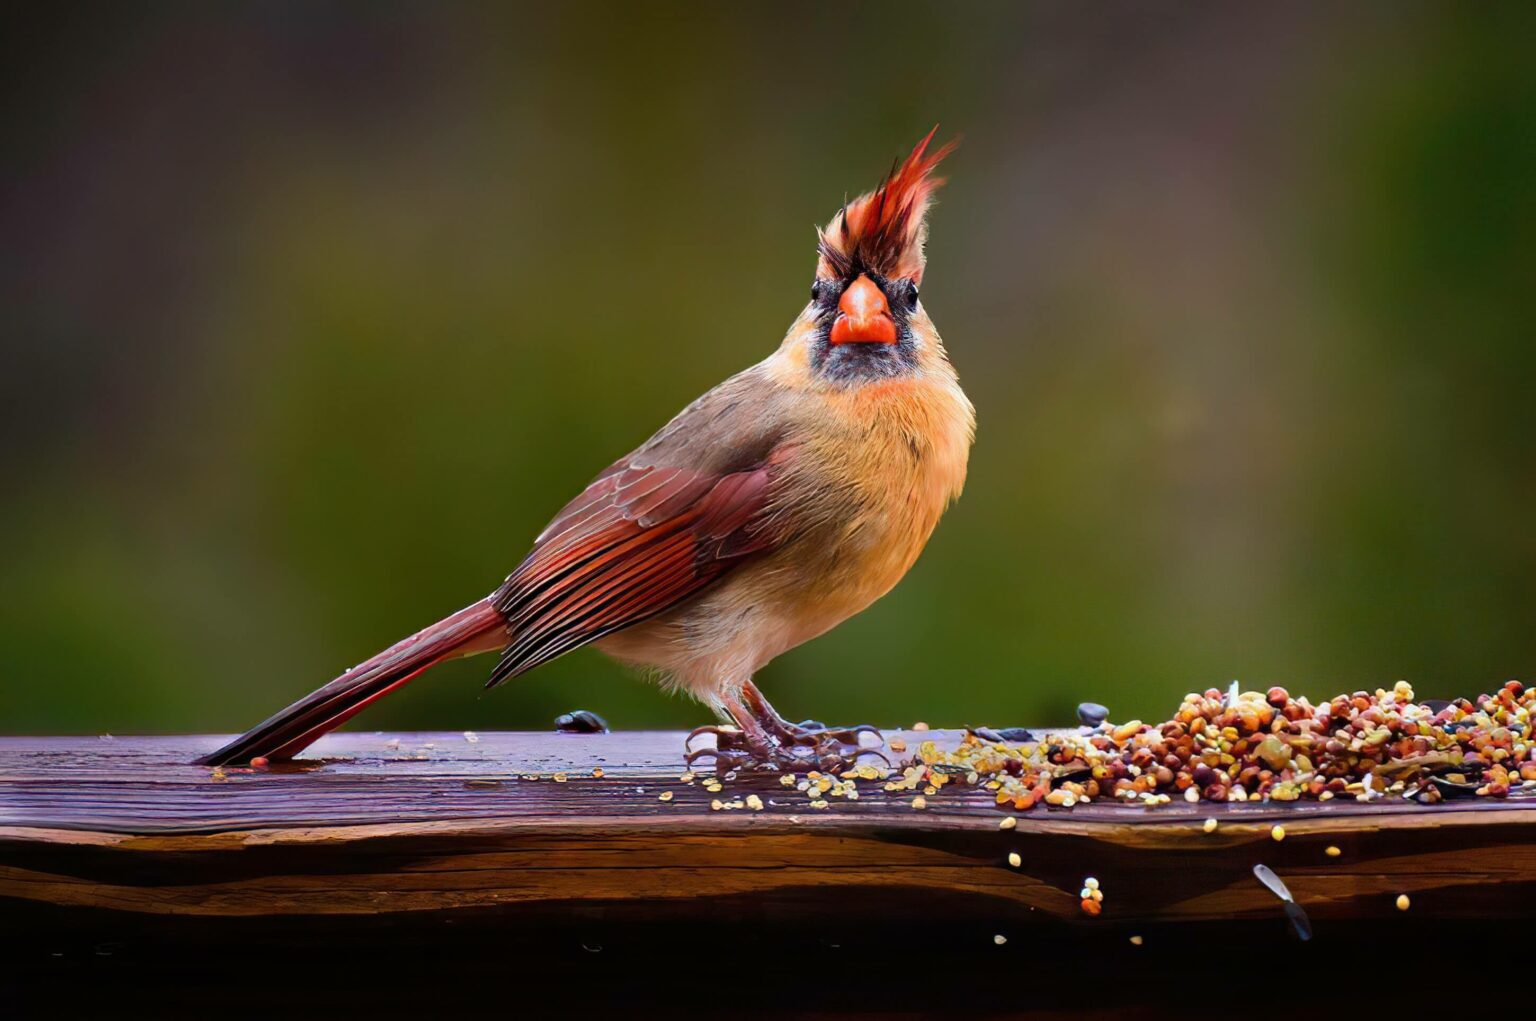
<point>637,541</point>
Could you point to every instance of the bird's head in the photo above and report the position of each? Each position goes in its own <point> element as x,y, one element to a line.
<point>864,321</point>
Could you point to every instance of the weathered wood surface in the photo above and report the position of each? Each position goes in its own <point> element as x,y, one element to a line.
<point>434,824</point>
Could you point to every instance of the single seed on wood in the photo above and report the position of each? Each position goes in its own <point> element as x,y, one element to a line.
<point>1008,822</point>
<point>664,796</point>
<point>1091,714</point>
<point>1014,859</point>
<point>597,771</point>
<point>1278,832</point>
<point>999,939</point>
<point>1136,941</point>
<point>259,762</point>
<point>1210,825</point>
<point>560,778</point>
<point>1402,902</point>
<point>919,725</point>
<point>919,802</point>
<point>1331,851</point>
<point>787,780</point>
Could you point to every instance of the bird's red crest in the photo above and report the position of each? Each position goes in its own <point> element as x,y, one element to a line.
<point>883,231</point>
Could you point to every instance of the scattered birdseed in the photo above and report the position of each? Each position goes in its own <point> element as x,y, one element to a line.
<point>1210,825</point>
<point>1277,832</point>
<point>1136,941</point>
<point>686,778</point>
<point>754,802</point>
<point>999,939</point>
<point>1091,906</point>
<point>919,802</point>
<point>787,780</point>
<point>218,775</point>
<point>1007,822</point>
<point>471,737</point>
<point>715,805</point>
<point>1402,902</point>
<point>597,771</point>
<point>1091,883</point>
<point>819,803</point>
<point>1014,859</point>
<point>714,787</point>
<point>1331,851</point>
<point>664,796</point>
<point>559,778</point>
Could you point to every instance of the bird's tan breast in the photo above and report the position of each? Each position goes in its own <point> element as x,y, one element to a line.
<point>884,462</point>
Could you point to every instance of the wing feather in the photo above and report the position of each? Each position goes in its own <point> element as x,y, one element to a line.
<point>638,541</point>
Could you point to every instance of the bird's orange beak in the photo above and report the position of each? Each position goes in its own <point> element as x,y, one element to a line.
<point>864,317</point>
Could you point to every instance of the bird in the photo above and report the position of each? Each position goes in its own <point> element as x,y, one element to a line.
<point>780,503</point>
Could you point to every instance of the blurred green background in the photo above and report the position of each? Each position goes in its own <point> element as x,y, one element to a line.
<point>315,313</point>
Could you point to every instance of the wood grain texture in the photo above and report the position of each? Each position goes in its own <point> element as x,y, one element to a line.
<point>426,825</point>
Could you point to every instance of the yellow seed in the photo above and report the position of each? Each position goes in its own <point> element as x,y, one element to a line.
<point>754,802</point>
<point>898,745</point>
<point>818,803</point>
<point>1331,851</point>
<point>1210,825</point>
<point>1402,902</point>
<point>686,778</point>
<point>597,770</point>
<point>1014,859</point>
<point>930,790</point>
<point>665,796</point>
<point>919,802</point>
<point>1008,822</point>
<point>1278,832</point>
<point>787,780</point>
<point>713,787</point>
<point>560,778</point>
<point>1136,941</point>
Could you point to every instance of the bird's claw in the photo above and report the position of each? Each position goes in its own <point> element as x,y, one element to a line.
<point>792,748</point>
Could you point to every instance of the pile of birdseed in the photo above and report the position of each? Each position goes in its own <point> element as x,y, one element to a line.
<point>1246,746</point>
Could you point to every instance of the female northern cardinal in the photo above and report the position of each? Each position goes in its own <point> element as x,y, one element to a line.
<point>773,508</point>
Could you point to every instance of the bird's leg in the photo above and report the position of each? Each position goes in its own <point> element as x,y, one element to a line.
<point>743,744</point>
<point>820,740</point>
<point>762,739</point>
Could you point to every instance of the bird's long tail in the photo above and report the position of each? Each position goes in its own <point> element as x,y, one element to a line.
<point>476,628</point>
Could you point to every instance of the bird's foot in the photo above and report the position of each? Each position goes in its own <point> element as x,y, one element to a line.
<point>787,748</point>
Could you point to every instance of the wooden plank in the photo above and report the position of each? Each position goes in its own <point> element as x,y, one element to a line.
<point>434,825</point>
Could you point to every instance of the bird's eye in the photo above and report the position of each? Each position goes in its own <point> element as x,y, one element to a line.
<point>909,293</point>
<point>816,289</point>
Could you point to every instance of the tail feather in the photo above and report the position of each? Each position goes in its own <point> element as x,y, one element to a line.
<point>476,628</point>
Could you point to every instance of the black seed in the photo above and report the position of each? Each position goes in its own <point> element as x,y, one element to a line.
<point>1091,714</point>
